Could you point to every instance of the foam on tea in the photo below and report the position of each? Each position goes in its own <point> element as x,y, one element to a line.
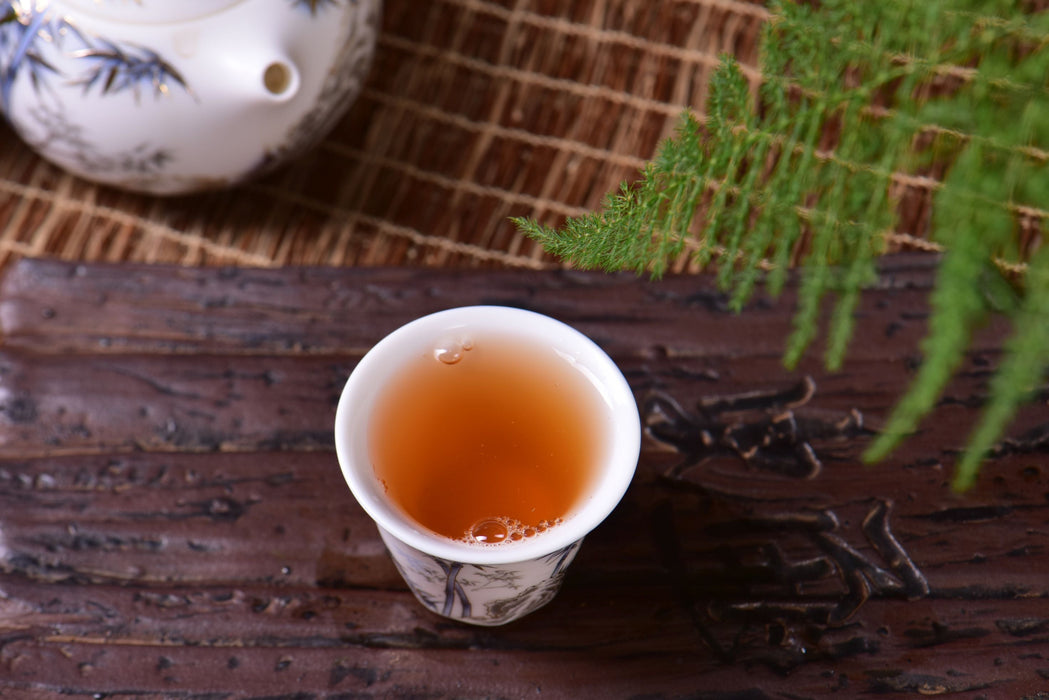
<point>488,439</point>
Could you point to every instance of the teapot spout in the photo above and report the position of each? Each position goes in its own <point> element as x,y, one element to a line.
<point>280,80</point>
<point>253,74</point>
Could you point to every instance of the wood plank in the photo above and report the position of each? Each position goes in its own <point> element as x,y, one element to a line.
<point>689,566</point>
<point>118,670</point>
<point>84,403</point>
<point>69,403</point>
<point>170,500</point>
<point>243,517</point>
<point>929,652</point>
<point>219,481</point>
<point>51,306</point>
<point>284,517</point>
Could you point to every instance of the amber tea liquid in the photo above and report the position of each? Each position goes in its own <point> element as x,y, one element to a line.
<point>487,439</point>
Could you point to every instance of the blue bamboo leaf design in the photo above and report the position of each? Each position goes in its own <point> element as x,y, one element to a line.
<point>25,32</point>
<point>112,67</point>
<point>116,69</point>
<point>38,66</point>
<point>314,5</point>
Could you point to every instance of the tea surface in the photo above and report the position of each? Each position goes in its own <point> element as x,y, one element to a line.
<point>488,440</point>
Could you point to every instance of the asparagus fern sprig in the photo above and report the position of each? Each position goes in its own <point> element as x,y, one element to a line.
<point>856,103</point>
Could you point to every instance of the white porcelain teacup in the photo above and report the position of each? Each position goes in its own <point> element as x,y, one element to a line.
<point>484,583</point>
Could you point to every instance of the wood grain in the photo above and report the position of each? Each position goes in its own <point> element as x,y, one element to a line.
<point>173,521</point>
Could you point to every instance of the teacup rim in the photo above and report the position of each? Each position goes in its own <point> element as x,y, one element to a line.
<point>362,385</point>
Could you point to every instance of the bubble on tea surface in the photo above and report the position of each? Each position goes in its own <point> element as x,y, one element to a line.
<point>490,531</point>
<point>496,530</point>
<point>450,350</point>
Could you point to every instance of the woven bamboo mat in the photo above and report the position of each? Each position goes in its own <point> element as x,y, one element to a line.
<point>475,111</point>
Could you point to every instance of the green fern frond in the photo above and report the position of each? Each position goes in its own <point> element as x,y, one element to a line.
<point>1020,374</point>
<point>971,234</point>
<point>855,100</point>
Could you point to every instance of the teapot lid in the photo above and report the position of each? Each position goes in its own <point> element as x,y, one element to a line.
<point>149,11</point>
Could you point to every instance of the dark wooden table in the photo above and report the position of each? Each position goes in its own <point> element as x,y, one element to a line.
<point>173,522</point>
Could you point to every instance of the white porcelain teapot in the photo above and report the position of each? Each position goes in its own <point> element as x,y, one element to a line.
<point>173,96</point>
